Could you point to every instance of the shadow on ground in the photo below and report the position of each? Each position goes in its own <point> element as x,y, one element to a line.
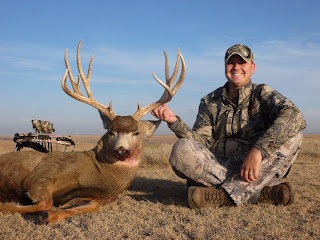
<point>159,191</point>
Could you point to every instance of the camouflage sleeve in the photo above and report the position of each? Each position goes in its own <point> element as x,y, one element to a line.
<point>202,129</point>
<point>285,120</point>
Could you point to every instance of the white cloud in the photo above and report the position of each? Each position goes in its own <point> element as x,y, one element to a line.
<point>287,52</point>
<point>124,76</point>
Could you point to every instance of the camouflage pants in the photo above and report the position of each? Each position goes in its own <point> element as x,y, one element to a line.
<point>196,163</point>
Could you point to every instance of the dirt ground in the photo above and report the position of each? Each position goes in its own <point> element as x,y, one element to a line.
<point>155,207</point>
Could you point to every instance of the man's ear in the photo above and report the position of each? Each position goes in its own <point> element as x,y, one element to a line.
<point>106,121</point>
<point>149,127</point>
<point>253,68</point>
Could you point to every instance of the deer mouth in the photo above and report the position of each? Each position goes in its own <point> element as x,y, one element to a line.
<point>122,154</point>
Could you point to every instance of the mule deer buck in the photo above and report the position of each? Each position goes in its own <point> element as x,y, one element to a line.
<point>81,181</point>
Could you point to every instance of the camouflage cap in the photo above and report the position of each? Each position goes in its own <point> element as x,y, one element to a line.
<point>242,50</point>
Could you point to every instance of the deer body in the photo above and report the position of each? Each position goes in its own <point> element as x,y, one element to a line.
<point>80,181</point>
<point>64,176</point>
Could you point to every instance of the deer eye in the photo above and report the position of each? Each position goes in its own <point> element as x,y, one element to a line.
<point>136,133</point>
<point>111,134</point>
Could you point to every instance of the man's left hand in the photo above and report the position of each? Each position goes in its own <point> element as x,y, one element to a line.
<point>251,165</point>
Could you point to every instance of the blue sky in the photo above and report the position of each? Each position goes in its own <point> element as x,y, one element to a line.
<point>127,39</point>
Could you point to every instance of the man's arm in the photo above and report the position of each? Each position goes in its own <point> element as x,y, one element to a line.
<point>285,119</point>
<point>203,132</point>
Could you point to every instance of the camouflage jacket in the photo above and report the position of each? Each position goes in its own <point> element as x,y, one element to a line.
<point>262,117</point>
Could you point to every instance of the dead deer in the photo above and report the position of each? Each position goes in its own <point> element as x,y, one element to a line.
<point>78,182</point>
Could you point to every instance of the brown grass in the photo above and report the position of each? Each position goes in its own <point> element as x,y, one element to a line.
<point>155,206</point>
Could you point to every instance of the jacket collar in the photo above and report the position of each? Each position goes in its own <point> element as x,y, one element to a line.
<point>244,92</point>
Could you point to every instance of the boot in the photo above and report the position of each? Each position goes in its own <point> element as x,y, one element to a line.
<point>200,197</point>
<point>281,194</point>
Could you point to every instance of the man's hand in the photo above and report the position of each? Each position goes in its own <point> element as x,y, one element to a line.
<point>165,114</point>
<point>251,165</point>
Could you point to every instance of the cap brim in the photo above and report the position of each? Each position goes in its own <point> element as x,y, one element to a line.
<point>239,54</point>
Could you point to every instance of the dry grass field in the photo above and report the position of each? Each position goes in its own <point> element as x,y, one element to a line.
<point>155,206</point>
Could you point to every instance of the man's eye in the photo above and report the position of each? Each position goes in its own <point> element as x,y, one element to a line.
<point>136,133</point>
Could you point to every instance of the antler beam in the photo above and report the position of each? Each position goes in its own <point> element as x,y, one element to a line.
<point>169,92</point>
<point>76,93</point>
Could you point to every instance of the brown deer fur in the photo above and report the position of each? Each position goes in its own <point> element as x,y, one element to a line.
<point>81,181</point>
<point>57,177</point>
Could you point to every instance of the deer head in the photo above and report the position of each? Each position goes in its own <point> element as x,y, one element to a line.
<point>124,132</point>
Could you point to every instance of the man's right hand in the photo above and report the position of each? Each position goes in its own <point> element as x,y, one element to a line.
<point>165,114</point>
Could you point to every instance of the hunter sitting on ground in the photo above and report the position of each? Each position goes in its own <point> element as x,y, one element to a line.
<point>243,143</point>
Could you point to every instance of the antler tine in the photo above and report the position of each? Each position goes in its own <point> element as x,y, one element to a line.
<point>170,81</point>
<point>76,93</point>
<point>182,76</point>
<point>75,86</point>
<point>85,80</point>
<point>168,93</point>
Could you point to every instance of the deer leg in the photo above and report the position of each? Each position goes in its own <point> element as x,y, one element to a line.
<point>17,208</point>
<point>73,207</point>
<point>75,202</point>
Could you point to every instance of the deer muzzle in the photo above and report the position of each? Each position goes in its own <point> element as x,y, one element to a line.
<point>121,153</point>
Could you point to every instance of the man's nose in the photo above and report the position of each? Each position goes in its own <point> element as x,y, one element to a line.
<point>236,66</point>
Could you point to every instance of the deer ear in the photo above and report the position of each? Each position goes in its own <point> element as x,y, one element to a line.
<point>149,127</point>
<point>106,121</point>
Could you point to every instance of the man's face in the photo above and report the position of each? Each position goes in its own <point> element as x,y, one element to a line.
<point>238,72</point>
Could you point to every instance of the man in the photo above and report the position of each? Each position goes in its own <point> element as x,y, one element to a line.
<point>243,143</point>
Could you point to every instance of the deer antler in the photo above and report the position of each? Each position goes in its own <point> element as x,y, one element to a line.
<point>76,93</point>
<point>169,92</point>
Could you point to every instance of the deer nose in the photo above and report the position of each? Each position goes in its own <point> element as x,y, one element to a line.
<point>121,153</point>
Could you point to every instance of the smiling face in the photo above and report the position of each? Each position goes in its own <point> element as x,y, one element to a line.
<point>238,72</point>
